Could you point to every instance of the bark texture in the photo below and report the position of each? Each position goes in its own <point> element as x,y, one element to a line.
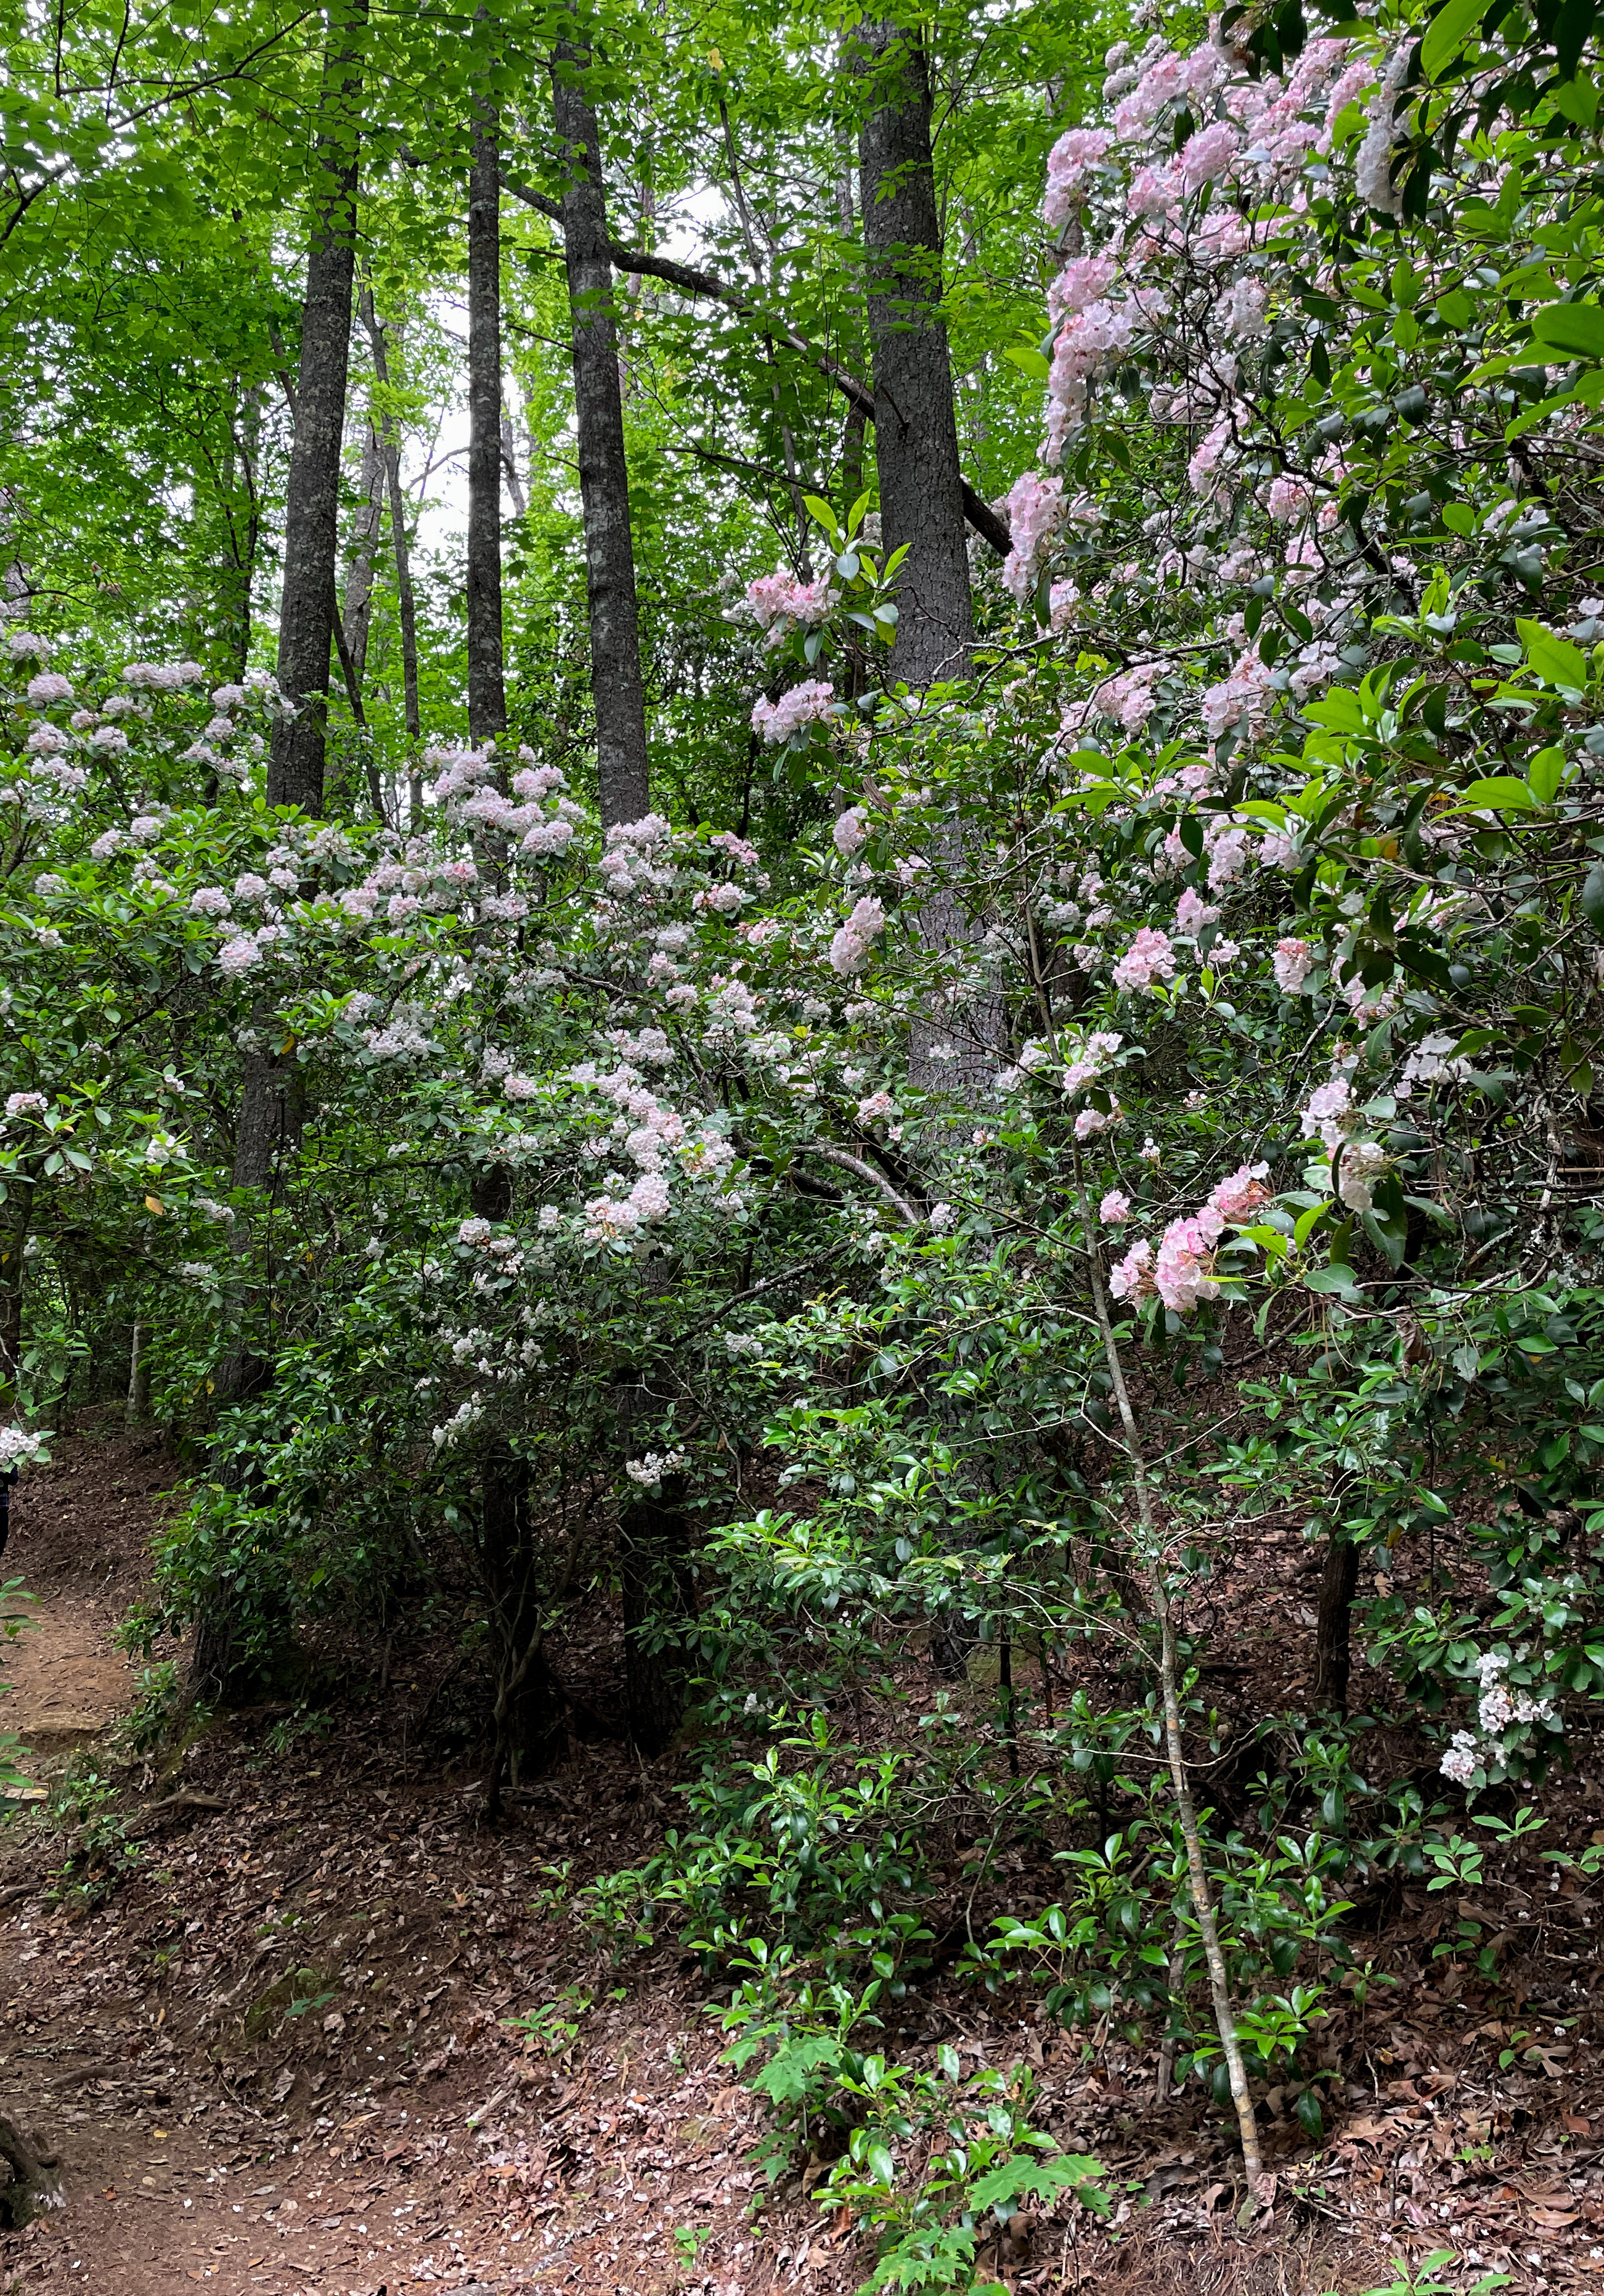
<point>486,690</point>
<point>1334,1624</point>
<point>617,693</point>
<point>916,426</point>
<point>295,766</point>
<point>35,2181</point>
<point>389,440</point>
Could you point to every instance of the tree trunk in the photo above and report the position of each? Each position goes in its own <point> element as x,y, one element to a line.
<point>13,1241</point>
<point>390,441</point>
<point>951,1050</point>
<point>654,1569</point>
<point>359,567</point>
<point>295,766</point>
<point>529,1733</point>
<point>617,689</point>
<point>138,1407</point>
<point>1333,1648</point>
<point>486,691</point>
<point>915,428</point>
<point>34,2182</point>
<point>272,1103</point>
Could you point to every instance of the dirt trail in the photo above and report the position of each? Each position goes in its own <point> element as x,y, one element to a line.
<point>266,2036</point>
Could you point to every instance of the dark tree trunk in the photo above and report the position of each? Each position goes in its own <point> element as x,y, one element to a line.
<point>390,438</point>
<point>1333,1629</point>
<point>295,766</point>
<point>921,491</point>
<point>617,689</point>
<point>272,1106</point>
<point>486,693</point>
<point>14,1240</point>
<point>654,1568</point>
<point>35,2181</point>
<point>915,428</point>
<point>528,1720</point>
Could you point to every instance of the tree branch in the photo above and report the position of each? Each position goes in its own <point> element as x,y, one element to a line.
<point>988,524</point>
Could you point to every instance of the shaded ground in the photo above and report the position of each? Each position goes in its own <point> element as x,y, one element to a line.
<point>257,2002</point>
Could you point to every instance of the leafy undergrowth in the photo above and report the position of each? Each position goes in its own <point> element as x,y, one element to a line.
<point>295,2015</point>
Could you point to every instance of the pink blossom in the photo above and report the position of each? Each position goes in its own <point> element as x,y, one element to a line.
<point>1292,962</point>
<point>849,950</point>
<point>1208,154</point>
<point>849,832</point>
<point>809,704</point>
<point>1128,697</point>
<point>1148,958</point>
<point>1242,1193</point>
<point>1132,1278</point>
<point>1192,914</point>
<point>1068,163</point>
<point>237,956</point>
<point>48,687</point>
<point>1115,1209</point>
<point>1183,1273</point>
<point>1034,509</point>
<point>1090,1121</point>
<point>779,601</point>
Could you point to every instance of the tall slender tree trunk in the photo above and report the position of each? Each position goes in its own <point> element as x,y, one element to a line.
<point>271,1111</point>
<point>616,686</point>
<point>389,439</point>
<point>295,766</point>
<point>1151,1559</point>
<point>952,1049</point>
<point>915,427</point>
<point>486,690</point>
<point>1334,1622</point>
<point>359,566</point>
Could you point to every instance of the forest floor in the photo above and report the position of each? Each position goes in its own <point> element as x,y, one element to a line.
<point>254,1987</point>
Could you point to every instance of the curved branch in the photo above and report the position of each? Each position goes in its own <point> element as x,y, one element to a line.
<point>988,524</point>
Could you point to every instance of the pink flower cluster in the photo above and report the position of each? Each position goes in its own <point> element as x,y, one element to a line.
<point>1149,959</point>
<point>1182,1273</point>
<point>849,948</point>
<point>809,704</point>
<point>1068,164</point>
<point>779,603</point>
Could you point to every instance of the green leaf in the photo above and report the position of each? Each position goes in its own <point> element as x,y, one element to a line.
<point>821,513</point>
<point>1028,359</point>
<point>1339,1280</point>
<point>1592,896</point>
<point>1501,793</point>
<point>1544,774</point>
<point>1574,329</point>
<point>1448,32</point>
<point>1553,658</point>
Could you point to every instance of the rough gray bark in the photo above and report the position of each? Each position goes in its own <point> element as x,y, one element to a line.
<point>915,428</point>
<point>138,1406</point>
<point>359,567</point>
<point>617,689</point>
<point>389,439</point>
<point>295,766</point>
<point>486,691</point>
